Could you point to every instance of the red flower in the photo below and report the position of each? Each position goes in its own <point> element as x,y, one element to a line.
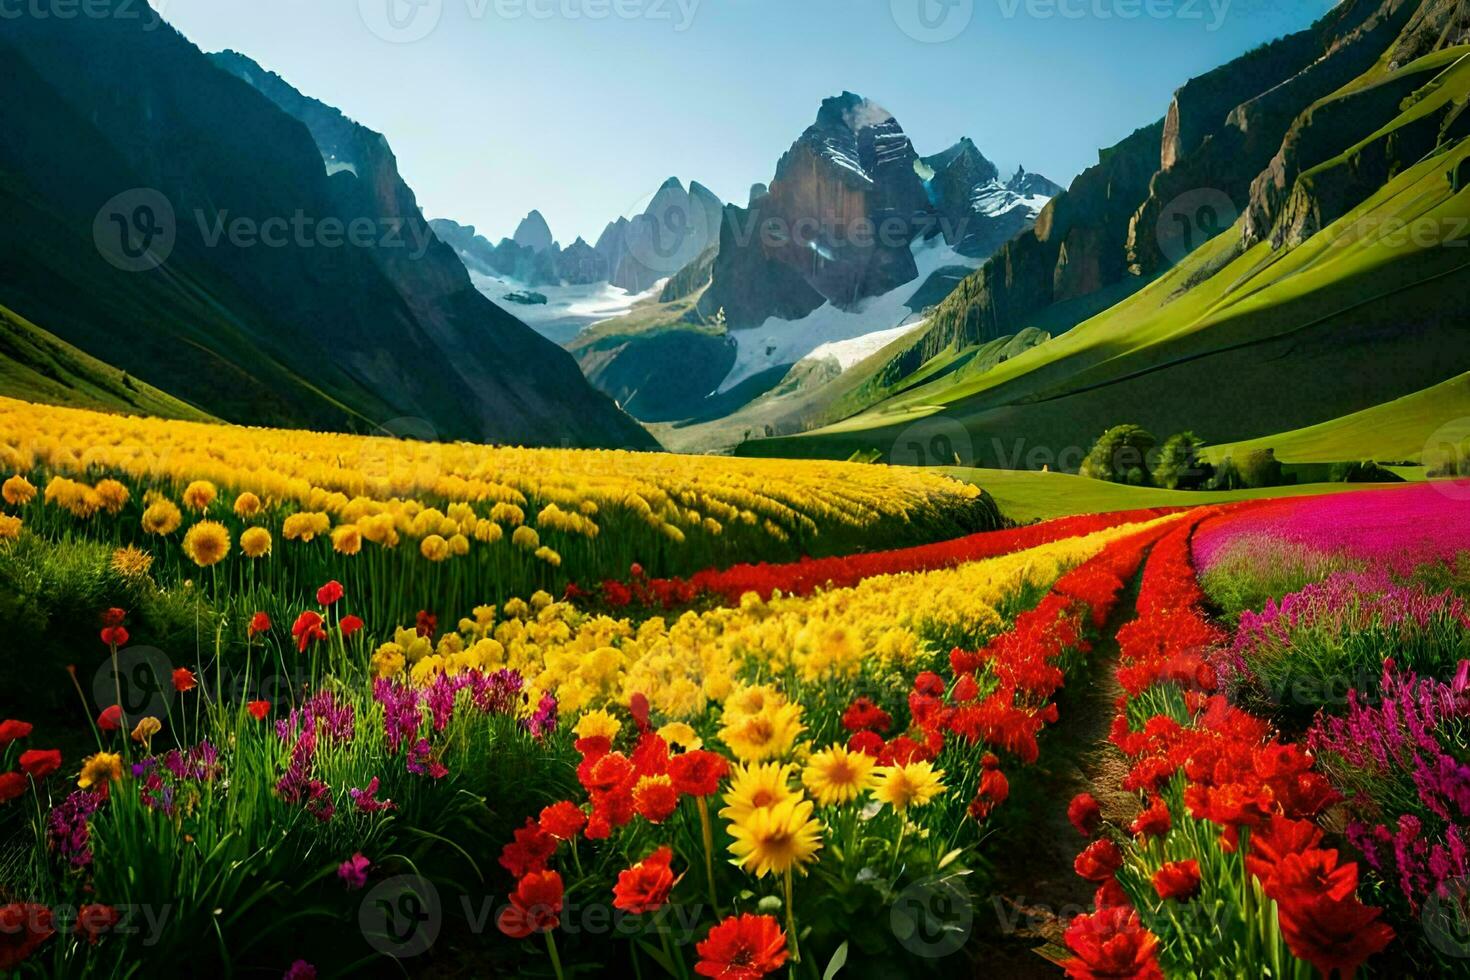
<point>1178,880</point>
<point>94,920</point>
<point>11,730</point>
<point>350,625</point>
<point>635,570</point>
<point>1110,894</point>
<point>535,905</point>
<point>743,947</point>
<point>965,689</point>
<point>259,623</point>
<point>184,680</point>
<point>116,636</point>
<point>993,791</point>
<point>1153,822</point>
<point>258,709</point>
<point>562,820</point>
<point>40,763</point>
<point>697,773</point>
<point>1111,944</point>
<point>864,715</point>
<point>23,928</point>
<point>530,850</point>
<point>111,719</point>
<point>12,786</point>
<point>646,885</point>
<point>114,616</point>
<point>1331,933</point>
<point>929,683</point>
<point>868,743</point>
<point>1085,814</point>
<point>329,593</point>
<point>638,708</point>
<point>426,623</point>
<point>655,799</point>
<point>308,627</point>
<point>1099,862</point>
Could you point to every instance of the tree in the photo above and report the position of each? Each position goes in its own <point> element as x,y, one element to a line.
<point>1179,466</point>
<point>1256,469</point>
<point>1121,456</point>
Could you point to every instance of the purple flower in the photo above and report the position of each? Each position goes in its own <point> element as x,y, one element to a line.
<point>353,871</point>
<point>366,800</point>
<point>300,970</point>
<point>68,829</point>
<point>543,722</point>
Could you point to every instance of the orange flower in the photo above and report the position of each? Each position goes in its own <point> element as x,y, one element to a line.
<point>184,680</point>
<point>646,885</point>
<point>535,906</point>
<point>742,947</point>
<point>258,709</point>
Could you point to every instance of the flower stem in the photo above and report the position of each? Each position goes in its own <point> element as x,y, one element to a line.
<point>791,921</point>
<point>555,957</point>
<point>709,860</point>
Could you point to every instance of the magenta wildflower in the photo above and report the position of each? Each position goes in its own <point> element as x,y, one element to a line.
<point>354,871</point>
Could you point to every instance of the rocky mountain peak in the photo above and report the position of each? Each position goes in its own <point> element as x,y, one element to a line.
<point>534,233</point>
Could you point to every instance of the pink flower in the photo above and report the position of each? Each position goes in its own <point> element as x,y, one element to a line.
<point>353,871</point>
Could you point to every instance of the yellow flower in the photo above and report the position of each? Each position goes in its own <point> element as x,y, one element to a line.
<point>162,517</point>
<point>148,727</point>
<point>836,776</point>
<point>247,505</point>
<point>131,562</point>
<point>304,526</point>
<point>100,769</point>
<point>914,784</point>
<point>255,542</point>
<point>9,527</point>
<point>550,557</point>
<point>207,543</point>
<point>113,495</point>
<point>18,491</point>
<point>459,545</point>
<point>199,495</point>
<point>389,660</point>
<point>346,539</point>
<point>767,735</point>
<point>778,839</point>
<point>680,734</point>
<point>756,788</point>
<point>525,538</point>
<point>595,723</point>
<point>434,548</point>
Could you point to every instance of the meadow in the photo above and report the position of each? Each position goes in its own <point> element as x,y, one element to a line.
<point>300,705</point>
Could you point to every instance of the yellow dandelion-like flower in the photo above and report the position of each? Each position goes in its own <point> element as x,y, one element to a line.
<point>247,505</point>
<point>207,543</point>
<point>199,495</point>
<point>756,788</point>
<point>434,548</point>
<point>550,557</point>
<point>17,491</point>
<point>144,731</point>
<point>459,545</point>
<point>525,538</point>
<point>597,723</point>
<point>9,527</point>
<point>907,786</point>
<point>100,769</point>
<point>255,542</point>
<point>112,494</point>
<point>162,517</point>
<point>835,776</point>
<point>346,539</point>
<point>131,562</point>
<point>778,839</point>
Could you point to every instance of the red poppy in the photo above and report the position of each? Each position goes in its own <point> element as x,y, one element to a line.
<point>868,743</point>
<point>114,616</point>
<point>535,905</point>
<point>40,763</point>
<point>111,719</point>
<point>258,709</point>
<point>184,680</point>
<point>23,928</point>
<point>1110,894</point>
<point>529,851</point>
<point>638,707</point>
<point>308,627</point>
<point>426,623</point>
<point>1099,862</point>
<point>259,623</point>
<point>350,625</point>
<point>635,570</point>
<point>646,885</point>
<point>12,786</point>
<point>1085,813</point>
<point>743,947</point>
<point>116,636</point>
<point>94,920</point>
<point>697,773</point>
<point>1153,822</point>
<point>562,820</point>
<point>966,689</point>
<point>993,790</point>
<point>1331,933</point>
<point>1111,944</point>
<point>11,730</point>
<point>1178,880</point>
<point>655,799</point>
<point>863,714</point>
<point>329,593</point>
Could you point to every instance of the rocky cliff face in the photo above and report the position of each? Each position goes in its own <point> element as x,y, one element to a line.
<point>380,326</point>
<point>675,229</point>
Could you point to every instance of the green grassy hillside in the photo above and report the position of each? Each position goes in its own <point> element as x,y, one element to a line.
<point>38,367</point>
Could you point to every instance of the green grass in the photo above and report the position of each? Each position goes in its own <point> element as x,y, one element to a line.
<point>1026,496</point>
<point>39,367</point>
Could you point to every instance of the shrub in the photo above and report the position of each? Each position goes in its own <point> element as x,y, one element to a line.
<point>1252,471</point>
<point>1179,466</point>
<point>1366,471</point>
<point>1121,455</point>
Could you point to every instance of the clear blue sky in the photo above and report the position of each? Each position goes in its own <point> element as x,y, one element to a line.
<point>501,108</point>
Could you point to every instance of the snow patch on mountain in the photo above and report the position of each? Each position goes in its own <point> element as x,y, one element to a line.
<point>568,310</point>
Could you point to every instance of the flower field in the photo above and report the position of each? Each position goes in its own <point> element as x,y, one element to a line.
<point>302,706</point>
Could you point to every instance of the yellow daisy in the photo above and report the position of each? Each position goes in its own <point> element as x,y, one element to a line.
<point>757,788</point>
<point>778,839</point>
<point>836,776</point>
<point>912,785</point>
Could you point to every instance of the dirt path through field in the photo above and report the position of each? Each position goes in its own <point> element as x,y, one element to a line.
<point>1035,890</point>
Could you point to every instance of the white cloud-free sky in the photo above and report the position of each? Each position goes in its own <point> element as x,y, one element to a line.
<point>582,108</point>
